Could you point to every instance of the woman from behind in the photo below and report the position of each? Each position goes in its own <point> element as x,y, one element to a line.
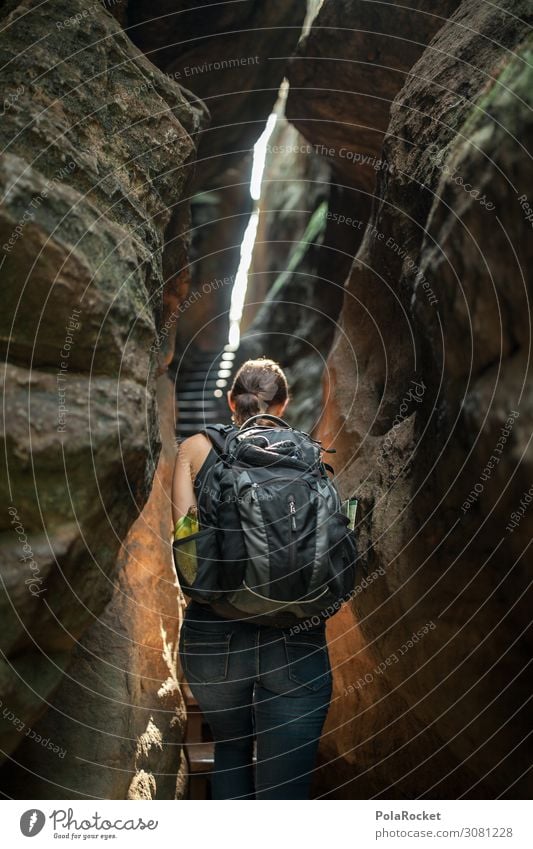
<point>264,689</point>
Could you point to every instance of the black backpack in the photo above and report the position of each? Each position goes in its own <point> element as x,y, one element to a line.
<point>272,537</point>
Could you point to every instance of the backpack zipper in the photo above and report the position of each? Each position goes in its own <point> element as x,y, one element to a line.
<point>292,512</point>
<point>255,486</point>
<point>292,527</point>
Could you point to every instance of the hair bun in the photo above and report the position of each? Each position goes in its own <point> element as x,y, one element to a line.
<point>271,388</point>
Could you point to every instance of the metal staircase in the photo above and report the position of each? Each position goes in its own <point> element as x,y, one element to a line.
<point>202,379</point>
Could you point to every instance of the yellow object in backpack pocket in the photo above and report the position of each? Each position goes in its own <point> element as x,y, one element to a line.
<point>186,552</point>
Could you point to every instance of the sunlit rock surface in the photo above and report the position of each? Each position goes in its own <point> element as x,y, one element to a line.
<point>118,715</point>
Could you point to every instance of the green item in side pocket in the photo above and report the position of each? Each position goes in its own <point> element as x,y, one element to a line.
<point>352,512</point>
<point>349,508</point>
<point>186,551</point>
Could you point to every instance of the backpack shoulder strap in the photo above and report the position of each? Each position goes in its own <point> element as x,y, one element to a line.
<point>217,433</point>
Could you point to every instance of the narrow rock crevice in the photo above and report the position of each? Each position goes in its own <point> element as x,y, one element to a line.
<point>389,277</point>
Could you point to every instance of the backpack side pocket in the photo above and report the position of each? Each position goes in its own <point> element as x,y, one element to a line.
<point>197,564</point>
<point>342,553</point>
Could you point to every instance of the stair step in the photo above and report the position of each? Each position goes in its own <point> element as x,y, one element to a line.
<point>203,356</point>
<point>194,406</point>
<point>198,420</point>
<point>186,692</point>
<point>199,410</point>
<point>208,396</point>
<point>201,757</point>
<point>195,723</point>
<point>202,365</point>
<point>206,365</point>
<point>198,397</point>
<point>203,368</point>
<point>196,385</point>
<point>190,428</point>
<point>195,382</point>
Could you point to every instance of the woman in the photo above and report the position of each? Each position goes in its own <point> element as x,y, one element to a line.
<point>254,683</point>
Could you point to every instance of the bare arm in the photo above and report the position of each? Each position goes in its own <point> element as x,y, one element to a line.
<point>191,454</point>
<point>183,495</point>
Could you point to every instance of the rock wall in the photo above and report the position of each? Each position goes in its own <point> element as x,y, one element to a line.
<point>229,58</point>
<point>289,311</point>
<point>219,218</point>
<point>295,282</point>
<point>295,183</point>
<point>345,74</point>
<point>231,55</point>
<point>118,714</point>
<point>426,394</point>
<point>97,173</point>
<point>97,145</point>
<point>429,406</point>
<point>350,63</point>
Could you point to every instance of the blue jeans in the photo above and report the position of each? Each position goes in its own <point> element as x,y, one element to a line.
<point>258,684</point>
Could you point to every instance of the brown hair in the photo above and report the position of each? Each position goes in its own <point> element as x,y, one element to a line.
<point>258,384</point>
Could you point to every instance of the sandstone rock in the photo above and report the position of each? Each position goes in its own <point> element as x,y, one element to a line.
<point>118,716</point>
<point>295,183</point>
<point>219,218</point>
<point>428,378</point>
<point>292,298</point>
<point>428,369</point>
<point>94,176</point>
<point>231,55</point>
<point>372,738</point>
<point>61,287</point>
<point>230,59</point>
<point>345,75</point>
<point>223,55</point>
